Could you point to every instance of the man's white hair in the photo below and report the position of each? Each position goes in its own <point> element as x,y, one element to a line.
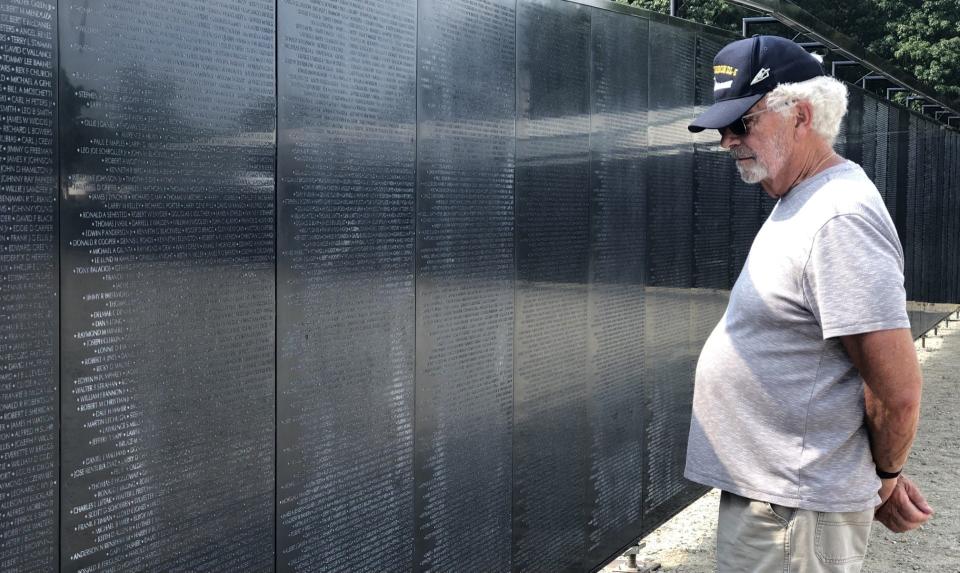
<point>826,95</point>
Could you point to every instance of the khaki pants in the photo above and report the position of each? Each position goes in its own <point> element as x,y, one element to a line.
<point>756,536</point>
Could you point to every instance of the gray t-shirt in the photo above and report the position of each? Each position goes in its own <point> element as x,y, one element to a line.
<point>778,411</point>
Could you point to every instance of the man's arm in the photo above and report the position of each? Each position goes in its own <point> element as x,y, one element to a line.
<point>887,361</point>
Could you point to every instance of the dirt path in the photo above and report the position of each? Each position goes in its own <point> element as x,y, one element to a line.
<point>686,543</point>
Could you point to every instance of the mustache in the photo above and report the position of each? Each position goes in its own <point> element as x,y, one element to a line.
<point>741,152</point>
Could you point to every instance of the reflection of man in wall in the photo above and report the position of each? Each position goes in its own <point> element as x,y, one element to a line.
<point>808,390</point>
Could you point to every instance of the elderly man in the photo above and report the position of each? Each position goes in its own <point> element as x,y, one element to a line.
<point>808,390</point>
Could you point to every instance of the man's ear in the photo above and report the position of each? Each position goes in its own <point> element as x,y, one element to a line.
<point>803,117</point>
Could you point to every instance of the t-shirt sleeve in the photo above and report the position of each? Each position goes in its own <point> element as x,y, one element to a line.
<point>853,278</point>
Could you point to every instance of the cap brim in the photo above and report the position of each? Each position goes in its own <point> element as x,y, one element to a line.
<point>723,113</point>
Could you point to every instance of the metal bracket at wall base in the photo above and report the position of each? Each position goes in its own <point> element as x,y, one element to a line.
<point>642,567</point>
<point>632,565</point>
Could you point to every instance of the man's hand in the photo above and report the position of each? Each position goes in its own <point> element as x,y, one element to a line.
<point>886,489</point>
<point>904,509</point>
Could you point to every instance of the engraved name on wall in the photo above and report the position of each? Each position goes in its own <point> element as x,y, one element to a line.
<point>28,287</point>
<point>465,267</point>
<point>168,301</point>
<point>346,185</point>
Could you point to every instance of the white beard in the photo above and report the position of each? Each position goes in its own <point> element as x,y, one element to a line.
<point>760,170</point>
<point>754,173</point>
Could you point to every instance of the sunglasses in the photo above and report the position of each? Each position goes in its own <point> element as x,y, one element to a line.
<point>742,126</point>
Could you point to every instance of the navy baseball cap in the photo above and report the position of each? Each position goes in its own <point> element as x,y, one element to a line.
<point>745,70</point>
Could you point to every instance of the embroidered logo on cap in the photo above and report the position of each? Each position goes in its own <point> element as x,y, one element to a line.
<point>724,69</point>
<point>763,74</point>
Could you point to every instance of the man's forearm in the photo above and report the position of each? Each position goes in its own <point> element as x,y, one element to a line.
<point>892,427</point>
<point>887,361</point>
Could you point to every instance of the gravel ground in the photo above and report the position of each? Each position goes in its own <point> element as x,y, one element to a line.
<point>686,542</point>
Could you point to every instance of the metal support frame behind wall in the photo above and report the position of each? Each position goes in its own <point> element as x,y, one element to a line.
<point>837,43</point>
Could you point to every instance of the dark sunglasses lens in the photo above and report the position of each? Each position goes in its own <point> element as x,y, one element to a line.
<point>736,128</point>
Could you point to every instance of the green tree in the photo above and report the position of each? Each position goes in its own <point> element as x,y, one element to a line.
<point>925,40</point>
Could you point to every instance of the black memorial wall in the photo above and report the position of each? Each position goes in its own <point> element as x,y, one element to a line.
<point>305,285</point>
<point>29,290</point>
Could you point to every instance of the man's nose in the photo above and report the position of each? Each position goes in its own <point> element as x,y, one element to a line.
<point>727,138</point>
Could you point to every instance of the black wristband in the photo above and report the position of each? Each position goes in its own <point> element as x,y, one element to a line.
<point>888,475</point>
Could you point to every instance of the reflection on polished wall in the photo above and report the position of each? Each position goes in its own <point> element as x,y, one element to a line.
<point>287,284</point>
